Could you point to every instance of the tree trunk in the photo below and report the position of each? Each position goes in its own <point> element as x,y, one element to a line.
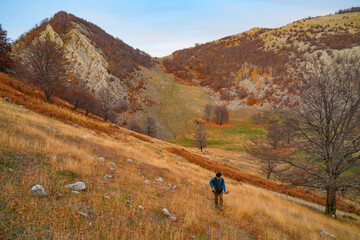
<point>330,208</point>
<point>201,148</point>
<point>47,96</point>
<point>268,175</point>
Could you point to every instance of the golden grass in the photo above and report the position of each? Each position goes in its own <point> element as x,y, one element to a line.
<point>27,145</point>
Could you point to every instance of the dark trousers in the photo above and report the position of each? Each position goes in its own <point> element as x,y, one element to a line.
<point>218,196</point>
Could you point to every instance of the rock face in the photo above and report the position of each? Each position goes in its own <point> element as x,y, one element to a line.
<point>78,186</point>
<point>38,191</point>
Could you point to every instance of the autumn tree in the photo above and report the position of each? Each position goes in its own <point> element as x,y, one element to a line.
<point>134,126</point>
<point>150,127</point>
<point>200,136</point>
<point>275,133</point>
<point>46,66</point>
<point>5,49</point>
<point>207,112</point>
<point>121,108</point>
<point>327,114</point>
<point>106,105</point>
<point>221,114</point>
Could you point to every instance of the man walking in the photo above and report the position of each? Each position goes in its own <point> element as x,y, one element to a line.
<point>217,185</point>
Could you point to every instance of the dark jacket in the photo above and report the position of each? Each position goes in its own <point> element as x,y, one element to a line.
<point>221,183</point>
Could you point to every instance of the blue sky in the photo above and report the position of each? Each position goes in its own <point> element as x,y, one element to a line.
<point>160,27</point>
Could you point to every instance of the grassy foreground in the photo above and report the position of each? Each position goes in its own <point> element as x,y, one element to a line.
<point>44,151</point>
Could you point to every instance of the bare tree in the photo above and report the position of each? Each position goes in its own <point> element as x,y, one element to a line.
<point>150,127</point>
<point>200,136</point>
<point>134,126</point>
<point>270,159</point>
<point>207,112</point>
<point>5,49</point>
<point>275,133</point>
<point>122,107</point>
<point>221,114</point>
<point>47,66</point>
<point>106,105</point>
<point>327,114</point>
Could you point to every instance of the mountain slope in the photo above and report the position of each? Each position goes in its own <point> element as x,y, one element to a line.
<point>251,67</point>
<point>35,149</point>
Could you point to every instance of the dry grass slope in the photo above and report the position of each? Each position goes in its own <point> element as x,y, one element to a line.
<point>29,143</point>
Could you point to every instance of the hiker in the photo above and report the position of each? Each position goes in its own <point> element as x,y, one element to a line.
<point>217,185</point>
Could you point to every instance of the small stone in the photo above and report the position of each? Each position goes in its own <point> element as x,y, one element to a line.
<point>54,158</point>
<point>323,232</point>
<point>113,164</point>
<point>147,181</point>
<point>90,223</point>
<point>38,191</point>
<point>84,214</point>
<point>76,192</point>
<point>107,197</point>
<point>159,179</point>
<point>128,201</point>
<point>179,159</point>
<point>203,186</point>
<point>226,160</point>
<point>140,207</point>
<point>101,159</point>
<point>21,106</point>
<point>172,218</point>
<point>174,187</point>
<point>85,137</point>
<point>166,212</point>
<point>11,170</point>
<point>129,160</point>
<point>77,186</point>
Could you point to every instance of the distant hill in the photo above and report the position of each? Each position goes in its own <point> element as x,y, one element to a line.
<point>101,60</point>
<point>251,67</point>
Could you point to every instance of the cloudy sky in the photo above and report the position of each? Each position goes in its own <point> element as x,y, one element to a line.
<point>160,27</point>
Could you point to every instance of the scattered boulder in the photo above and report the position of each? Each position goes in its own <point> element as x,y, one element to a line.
<point>11,170</point>
<point>38,191</point>
<point>140,207</point>
<point>166,212</point>
<point>76,192</point>
<point>172,218</point>
<point>129,160</point>
<point>107,197</point>
<point>325,233</point>
<point>78,186</point>
<point>159,179</point>
<point>226,160</point>
<point>147,181</point>
<point>101,159</point>
<point>54,158</point>
<point>84,137</point>
<point>113,164</point>
<point>107,176</point>
<point>128,201</point>
<point>84,214</point>
<point>179,159</point>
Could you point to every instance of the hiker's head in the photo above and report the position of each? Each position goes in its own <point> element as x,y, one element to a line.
<point>218,175</point>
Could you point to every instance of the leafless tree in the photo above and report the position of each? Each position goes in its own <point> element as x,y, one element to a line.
<point>106,105</point>
<point>200,136</point>
<point>46,65</point>
<point>150,127</point>
<point>275,133</point>
<point>221,114</point>
<point>5,49</point>
<point>327,114</point>
<point>207,112</point>
<point>134,126</point>
<point>270,159</point>
<point>122,107</point>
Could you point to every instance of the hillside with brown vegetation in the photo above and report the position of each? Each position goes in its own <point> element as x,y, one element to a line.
<point>252,66</point>
<point>40,149</point>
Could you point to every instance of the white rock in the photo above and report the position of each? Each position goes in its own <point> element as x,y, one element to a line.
<point>11,170</point>
<point>90,223</point>
<point>101,159</point>
<point>54,158</point>
<point>77,186</point>
<point>107,197</point>
<point>85,137</point>
<point>159,179</point>
<point>174,187</point>
<point>113,164</point>
<point>166,212</point>
<point>323,232</point>
<point>128,201</point>
<point>172,218</point>
<point>147,181</point>
<point>21,106</point>
<point>129,160</point>
<point>140,207</point>
<point>84,214</point>
<point>76,192</point>
<point>38,191</point>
